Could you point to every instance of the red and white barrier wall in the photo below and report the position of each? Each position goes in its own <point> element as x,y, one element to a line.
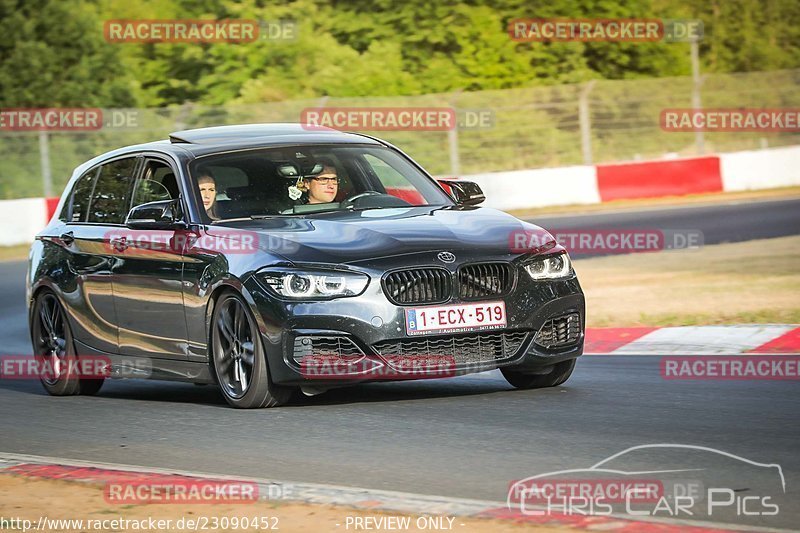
<point>20,220</point>
<point>760,169</point>
<point>539,187</point>
<point>736,171</point>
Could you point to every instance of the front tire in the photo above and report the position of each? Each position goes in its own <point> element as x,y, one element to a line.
<point>54,350</point>
<point>559,373</point>
<point>238,358</point>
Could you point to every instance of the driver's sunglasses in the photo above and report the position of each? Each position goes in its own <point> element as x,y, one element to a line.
<point>324,180</point>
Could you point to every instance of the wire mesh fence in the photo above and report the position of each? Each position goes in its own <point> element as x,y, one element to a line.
<point>602,121</point>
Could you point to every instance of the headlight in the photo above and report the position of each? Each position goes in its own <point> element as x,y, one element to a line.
<point>300,284</point>
<point>552,267</point>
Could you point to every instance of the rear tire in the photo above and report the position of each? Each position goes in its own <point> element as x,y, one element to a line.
<point>54,350</point>
<point>238,359</point>
<point>559,373</point>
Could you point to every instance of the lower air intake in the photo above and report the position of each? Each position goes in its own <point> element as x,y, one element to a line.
<point>560,331</point>
<point>330,348</point>
<point>460,349</point>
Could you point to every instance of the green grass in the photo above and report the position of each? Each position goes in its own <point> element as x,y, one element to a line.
<point>754,282</point>
<point>17,252</point>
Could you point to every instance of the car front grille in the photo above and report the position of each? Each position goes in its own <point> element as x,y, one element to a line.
<point>560,331</point>
<point>430,285</point>
<point>418,286</point>
<point>484,280</point>
<point>330,348</point>
<point>460,349</point>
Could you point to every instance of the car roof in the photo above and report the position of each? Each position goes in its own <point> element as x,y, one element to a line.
<point>203,141</point>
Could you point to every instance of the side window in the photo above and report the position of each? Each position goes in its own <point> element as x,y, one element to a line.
<point>158,182</point>
<point>111,192</point>
<point>227,177</point>
<point>78,206</point>
<point>388,175</point>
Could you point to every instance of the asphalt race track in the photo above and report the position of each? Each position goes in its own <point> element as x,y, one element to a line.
<point>463,437</point>
<point>719,223</point>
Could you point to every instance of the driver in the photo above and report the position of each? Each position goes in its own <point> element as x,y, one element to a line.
<point>323,187</point>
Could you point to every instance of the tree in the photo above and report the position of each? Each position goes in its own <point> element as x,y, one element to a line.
<point>52,54</point>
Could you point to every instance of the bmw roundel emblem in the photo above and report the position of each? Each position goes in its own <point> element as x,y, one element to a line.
<point>446,257</point>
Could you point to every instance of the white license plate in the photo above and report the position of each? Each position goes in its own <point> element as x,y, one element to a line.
<point>448,318</point>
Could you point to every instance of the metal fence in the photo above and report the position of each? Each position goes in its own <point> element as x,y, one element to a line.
<point>601,121</point>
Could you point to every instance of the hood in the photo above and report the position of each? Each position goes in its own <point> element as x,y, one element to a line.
<point>350,237</point>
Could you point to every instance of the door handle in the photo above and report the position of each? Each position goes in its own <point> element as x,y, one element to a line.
<point>67,238</point>
<point>120,244</point>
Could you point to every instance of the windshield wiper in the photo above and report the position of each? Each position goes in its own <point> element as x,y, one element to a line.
<point>223,220</point>
<point>356,209</point>
<point>329,210</point>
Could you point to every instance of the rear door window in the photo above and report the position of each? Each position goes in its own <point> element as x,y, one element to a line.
<point>157,183</point>
<point>111,195</point>
<point>78,206</point>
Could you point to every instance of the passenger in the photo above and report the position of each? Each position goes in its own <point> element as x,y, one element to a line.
<point>208,192</point>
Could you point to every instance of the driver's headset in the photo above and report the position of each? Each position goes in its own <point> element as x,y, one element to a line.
<point>299,172</point>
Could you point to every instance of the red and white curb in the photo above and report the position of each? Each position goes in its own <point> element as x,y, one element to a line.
<point>41,467</point>
<point>695,340</point>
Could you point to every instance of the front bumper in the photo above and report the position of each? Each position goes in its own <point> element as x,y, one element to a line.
<point>366,340</point>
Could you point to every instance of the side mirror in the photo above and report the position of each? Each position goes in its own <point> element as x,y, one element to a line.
<point>160,215</point>
<point>464,192</point>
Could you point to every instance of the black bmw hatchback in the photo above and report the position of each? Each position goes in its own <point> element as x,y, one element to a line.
<point>272,258</point>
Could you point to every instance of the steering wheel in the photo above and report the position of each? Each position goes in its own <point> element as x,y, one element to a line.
<point>353,199</point>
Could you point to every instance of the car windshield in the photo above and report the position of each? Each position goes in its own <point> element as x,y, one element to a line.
<point>301,180</point>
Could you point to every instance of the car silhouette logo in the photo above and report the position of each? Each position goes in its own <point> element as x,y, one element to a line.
<point>446,257</point>
<point>614,469</point>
